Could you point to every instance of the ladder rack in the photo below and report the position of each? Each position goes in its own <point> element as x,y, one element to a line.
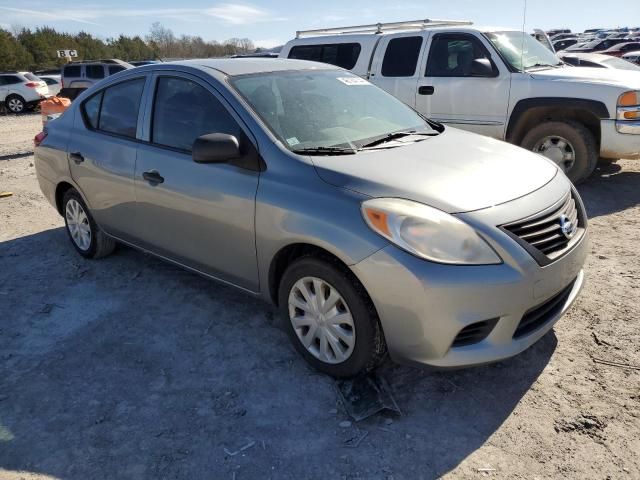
<point>378,28</point>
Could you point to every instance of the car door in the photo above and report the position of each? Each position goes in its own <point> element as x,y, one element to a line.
<point>454,91</point>
<point>395,65</point>
<point>199,215</point>
<point>4,90</point>
<point>102,153</point>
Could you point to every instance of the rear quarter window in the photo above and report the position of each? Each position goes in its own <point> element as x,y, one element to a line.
<point>94,71</point>
<point>401,57</point>
<point>344,55</point>
<point>72,71</point>
<point>11,80</point>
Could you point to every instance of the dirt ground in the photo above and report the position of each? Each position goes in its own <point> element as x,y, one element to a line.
<point>128,367</point>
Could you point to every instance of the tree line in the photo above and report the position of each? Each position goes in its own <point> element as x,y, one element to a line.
<point>26,49</point>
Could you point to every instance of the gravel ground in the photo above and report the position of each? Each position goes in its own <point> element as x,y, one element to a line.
<point>131,368</point>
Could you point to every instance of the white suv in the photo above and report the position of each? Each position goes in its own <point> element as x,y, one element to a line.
<point>496,82</point>
<point>20,91</point>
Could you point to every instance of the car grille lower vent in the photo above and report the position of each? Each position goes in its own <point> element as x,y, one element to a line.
<point>474,333</point>
<point>536,317</point>
<point>551,233</point>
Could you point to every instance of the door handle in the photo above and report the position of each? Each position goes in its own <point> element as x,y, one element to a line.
<point>426,90</point>
<point>153,177</point>
<point>76,157</point>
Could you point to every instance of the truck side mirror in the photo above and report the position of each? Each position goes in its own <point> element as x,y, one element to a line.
<point>482,67</point>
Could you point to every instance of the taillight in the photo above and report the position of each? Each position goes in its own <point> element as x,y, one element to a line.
<point>32,84</point>
<point>62,83</point>
<point>37,140</point>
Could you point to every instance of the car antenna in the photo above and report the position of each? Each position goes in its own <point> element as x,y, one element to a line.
<point>524,32</point>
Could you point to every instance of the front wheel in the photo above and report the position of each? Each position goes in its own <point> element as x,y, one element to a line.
<point>567,143</point>
<point>87,238</point>
<point>330,318</point>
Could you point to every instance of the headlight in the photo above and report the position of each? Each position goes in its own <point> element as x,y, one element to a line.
<point>427,232</point>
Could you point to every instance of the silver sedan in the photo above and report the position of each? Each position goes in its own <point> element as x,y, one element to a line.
<point>373,229</point>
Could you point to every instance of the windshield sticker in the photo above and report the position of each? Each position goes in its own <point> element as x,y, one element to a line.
<point>353,81</point>
<point>292,141</point>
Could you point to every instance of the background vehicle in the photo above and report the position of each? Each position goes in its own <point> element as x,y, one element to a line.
<point>561,36</point>
<point>481,80</point>
<point>314,189</point>
<point>597,60</point>
<point>566,43</point>
<point>140,63</point>
<point>633,57</point>
<point>84,74</point>
<point>54,82</point>
<point>20,91</point>
<point>621,49</point>
<point>596,45</point>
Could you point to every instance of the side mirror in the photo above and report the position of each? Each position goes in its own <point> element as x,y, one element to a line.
<point>215,148</point>
<point>481,67</point>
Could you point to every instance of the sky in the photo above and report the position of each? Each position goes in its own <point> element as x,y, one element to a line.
<point>271,23</point>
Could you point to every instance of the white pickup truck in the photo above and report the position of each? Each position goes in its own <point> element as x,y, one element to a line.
<point>496,82</point>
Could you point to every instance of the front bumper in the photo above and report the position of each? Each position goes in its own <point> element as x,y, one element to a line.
<point>619,139</point>
<point>423,306</point>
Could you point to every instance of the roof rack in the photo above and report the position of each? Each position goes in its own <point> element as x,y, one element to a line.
<point>383,27</point>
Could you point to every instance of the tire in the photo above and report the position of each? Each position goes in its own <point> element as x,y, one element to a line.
<point>15,104</point>
<point>75,211</point>
<point>580,140</point>
<point>367,348</point>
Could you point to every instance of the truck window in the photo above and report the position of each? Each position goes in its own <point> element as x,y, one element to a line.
<point>453,56</point>
<point>343,55</point>
<point>401,57</point>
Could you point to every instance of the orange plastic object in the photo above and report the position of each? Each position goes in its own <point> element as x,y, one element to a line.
<point>53,105</point>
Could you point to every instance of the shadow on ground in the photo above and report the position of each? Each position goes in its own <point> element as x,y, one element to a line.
<point>131,368</point>
<point>610,189</point>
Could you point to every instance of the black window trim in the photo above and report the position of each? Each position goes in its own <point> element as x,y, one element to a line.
<point>322,46</point>
<point>386,48</point>
<point>464,35</point>
<point>101,93</point>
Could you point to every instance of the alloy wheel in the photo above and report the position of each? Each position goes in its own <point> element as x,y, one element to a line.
<point>15,105</point>
<point>78,224</point>
<point>322,320</point>
<point>557,149</point>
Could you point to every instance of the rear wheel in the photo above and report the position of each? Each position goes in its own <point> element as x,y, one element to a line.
<point>330,318</point>
<point>567,143</point>
<point>87,238</point>
<point>15,104</point>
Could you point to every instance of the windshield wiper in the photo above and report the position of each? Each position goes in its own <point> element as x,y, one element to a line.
<point>394,136</point>
<point>540,65</point>
<point>324,151</point>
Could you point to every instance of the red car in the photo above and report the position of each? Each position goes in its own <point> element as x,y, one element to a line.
<point>622,48</point>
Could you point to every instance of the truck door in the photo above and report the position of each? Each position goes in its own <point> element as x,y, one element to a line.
<point>395,64</point>
<point>464,85</point>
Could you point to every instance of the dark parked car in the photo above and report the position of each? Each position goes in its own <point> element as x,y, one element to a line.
<point>565,43</point>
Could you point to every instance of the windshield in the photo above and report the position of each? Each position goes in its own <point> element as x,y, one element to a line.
<point>523,51</point>
<point>620,63</point>
<point>310,109</point>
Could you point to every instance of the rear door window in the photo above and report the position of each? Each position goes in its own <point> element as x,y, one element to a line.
<point>344,55</point>
<point>401,57</point>
<point>119,108</point>
<point>11,80</point>
<point>94,71</point>
<point>184,110</point>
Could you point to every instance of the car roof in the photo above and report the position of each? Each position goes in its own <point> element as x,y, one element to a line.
<point>245,66</point>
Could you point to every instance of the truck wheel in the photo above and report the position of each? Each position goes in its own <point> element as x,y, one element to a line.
<point>567,143</point>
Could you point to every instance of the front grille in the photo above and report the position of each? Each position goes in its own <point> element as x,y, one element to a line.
<point>536,317</point>
<point>474,333</point>
<point>542,234</point>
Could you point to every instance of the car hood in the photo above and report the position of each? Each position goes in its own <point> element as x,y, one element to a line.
<point>455,171</point>
<point>608,76</point>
